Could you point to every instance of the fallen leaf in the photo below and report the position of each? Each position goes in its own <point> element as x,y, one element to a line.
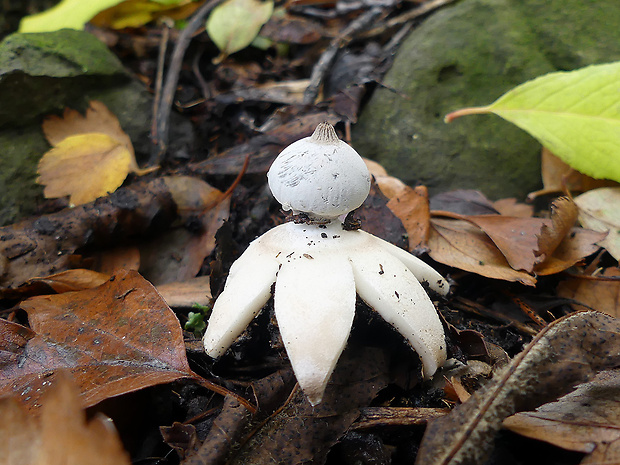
<point>377,219</point>
<point>601,292</point>
<point>65,281</point>
<point>98,119</point>
<point>462,245</point>
<point>91,155</point>
<point>412,207</point>
<point>116,338</point>
<point>136,13</point>
<point>67,14</point>
<point>567,352</point>
<point>516,238</point>
<point>187,293</point>
<point>61,435</point>
<point>558,176</point>
<point>109,261</point>
<point>563,217</point>
<point>577,245</point>
<point>527,244</point>
<point>510,207</point>
<point>583,420</point>
<point>84,167</point>
<point>178,254</point>
<point>603,454</point>
<point>599,210</point>
<point>234,24</point>
<point>574,114</point>
<point>389,185</point>
<point>463,202</point>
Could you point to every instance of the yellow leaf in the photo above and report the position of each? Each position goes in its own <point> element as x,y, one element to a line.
<point>97,119</point>
<point>136,13</point>
<point>85,167</point>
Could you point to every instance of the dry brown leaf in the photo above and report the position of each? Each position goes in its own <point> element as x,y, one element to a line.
<point>116,338</point>
<point>600,210</point>
<point>91,155</point>
<point>601,293</point>
<point>65,281</point>
<point>577,245</point>
<point>582,421</point>
<point>412,208</point>
<point>61,435</point>
<point>389,185</point>
<point>563,217</point>
<point>558,176</point>
<point>516,238</point>
<point>187,293</point>
<point>178,254</point>
<point>605,453</point>
<point>462,245</point>
<point>119,258</point>
<point>510,207</point>
<point>567,352</point>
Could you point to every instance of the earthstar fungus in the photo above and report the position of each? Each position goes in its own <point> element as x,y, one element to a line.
<point>318,267</point>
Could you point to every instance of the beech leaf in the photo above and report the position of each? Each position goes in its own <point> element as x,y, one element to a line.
<point>569,351</point>
<point>574,114</point>
<point>114,339</point>
<point>234,24</point>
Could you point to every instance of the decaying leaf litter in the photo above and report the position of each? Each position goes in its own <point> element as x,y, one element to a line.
<point>71,306</point>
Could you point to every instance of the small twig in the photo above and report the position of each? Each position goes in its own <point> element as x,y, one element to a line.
<point>160,137</point>
<point>224,392</point>
<point>329,55</point>
<point>423,9</point>
<point>161,58</point>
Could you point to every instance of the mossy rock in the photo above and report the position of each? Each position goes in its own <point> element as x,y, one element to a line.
<point>41,74</point>
<point>469,54</point>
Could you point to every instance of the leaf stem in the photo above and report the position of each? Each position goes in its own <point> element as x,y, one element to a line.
<point>465,112</point>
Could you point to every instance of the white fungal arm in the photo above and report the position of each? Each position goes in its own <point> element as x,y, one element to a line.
<point>247,290</point>
<point>315,305</point>
<point>421,270</point>
<point>388,286</point>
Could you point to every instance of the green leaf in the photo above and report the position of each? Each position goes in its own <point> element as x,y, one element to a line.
<point>234,24</point>
<point>68,14</point>
<point>575,114</point>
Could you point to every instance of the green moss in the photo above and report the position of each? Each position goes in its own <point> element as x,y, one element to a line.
<point>21,149</point>
<point>64,53</point>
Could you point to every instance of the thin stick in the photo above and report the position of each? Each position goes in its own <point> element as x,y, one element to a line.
<point>160,137</point>
<point>423,9</point>
<point>329,55</point>
<point>159,77</point>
